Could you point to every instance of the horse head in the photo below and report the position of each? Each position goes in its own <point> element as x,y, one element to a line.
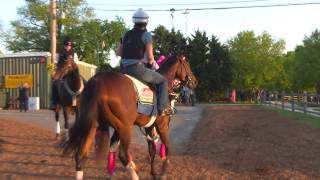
<point>185,73</point>
<point>65,69</point>
<point>177,67</point>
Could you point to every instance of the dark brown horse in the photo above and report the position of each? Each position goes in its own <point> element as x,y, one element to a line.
<point>69,84</point>
<point>109,99</point>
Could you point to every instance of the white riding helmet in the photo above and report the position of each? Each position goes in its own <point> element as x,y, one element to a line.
<point>140,16</point>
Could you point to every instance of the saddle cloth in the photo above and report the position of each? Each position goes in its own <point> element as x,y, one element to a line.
<point>147,101</point>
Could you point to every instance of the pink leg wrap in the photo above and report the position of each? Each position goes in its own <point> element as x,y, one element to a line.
<point>162,151</point>
<point>112,162</point>
<point>129,157</point>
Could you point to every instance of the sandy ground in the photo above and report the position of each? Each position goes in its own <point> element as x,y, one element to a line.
<point>228,142</point>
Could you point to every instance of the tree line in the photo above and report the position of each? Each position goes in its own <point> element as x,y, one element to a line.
<point>248,62</point>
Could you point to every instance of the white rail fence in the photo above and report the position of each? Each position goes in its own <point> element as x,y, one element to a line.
<point>305,103</point>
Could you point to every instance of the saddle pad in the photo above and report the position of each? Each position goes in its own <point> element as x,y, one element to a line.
<point>144,93</point>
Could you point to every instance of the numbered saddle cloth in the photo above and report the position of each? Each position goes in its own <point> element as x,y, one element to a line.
<point>147,101</point>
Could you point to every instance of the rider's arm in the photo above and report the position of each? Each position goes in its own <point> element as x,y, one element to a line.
<point>75,57</point>
<point>119,50</point>
<point>149,52</point>
<point>147,39</point>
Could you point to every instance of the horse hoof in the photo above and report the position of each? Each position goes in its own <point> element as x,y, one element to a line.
<point>163,177</point>
<point>62,143</point>
<point>58,137</point>
<point>154,176</point>
<point>159,177</point>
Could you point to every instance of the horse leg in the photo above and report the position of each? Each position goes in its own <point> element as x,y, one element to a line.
<point>172,105</point>
<point>66,112</point>
<point>114,145</point>
<point>172,100</point>
<point>162,125</point>
<point>124,156</point>
<point>101,144</point>
<point>152,146</point>
<point>58,129</point>
<point>79,164</point>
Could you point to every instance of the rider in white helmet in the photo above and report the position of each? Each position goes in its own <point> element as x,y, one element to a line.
<point>136,45</point>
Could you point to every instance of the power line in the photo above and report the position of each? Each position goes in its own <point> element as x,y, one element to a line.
<point>177,4</point>
<point>219,8</point>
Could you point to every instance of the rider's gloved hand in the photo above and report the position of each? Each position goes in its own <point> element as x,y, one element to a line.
<point>148,65</point>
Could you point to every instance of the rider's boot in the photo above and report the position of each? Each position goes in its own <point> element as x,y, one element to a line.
<point>166,112</point>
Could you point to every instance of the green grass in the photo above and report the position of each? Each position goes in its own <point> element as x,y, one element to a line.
<point>228,103</point>
<point>303,118</point>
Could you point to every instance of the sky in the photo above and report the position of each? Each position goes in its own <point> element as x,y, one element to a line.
<point>291,23</point>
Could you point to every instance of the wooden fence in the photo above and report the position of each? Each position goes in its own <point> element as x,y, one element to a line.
<point>306,103</point>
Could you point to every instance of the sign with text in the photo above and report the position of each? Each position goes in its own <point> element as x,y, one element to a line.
<point>14,81</point>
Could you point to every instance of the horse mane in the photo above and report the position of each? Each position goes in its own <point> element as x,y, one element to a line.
<point>171,60</point>
<point>64,69</point>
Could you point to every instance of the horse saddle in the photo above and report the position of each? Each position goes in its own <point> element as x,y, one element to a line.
<point>146,97</point>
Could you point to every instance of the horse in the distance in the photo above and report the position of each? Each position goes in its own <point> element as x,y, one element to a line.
<point>70,85</point>
<point>109,100</point>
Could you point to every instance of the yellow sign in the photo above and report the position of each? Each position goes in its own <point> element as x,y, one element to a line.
<point>14,81</point>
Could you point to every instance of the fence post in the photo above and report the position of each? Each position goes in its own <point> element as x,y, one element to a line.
<point>292,102</point>
<point>305,102</point>
<point>282,101</point>
<point>276,98</point>
<point>269,98</point>
<point>263,98</point>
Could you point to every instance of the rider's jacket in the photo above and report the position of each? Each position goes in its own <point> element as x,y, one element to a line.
<point>64,57</point>
<point>132,45</point>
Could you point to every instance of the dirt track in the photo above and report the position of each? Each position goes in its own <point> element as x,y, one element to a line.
<point>229,142</point>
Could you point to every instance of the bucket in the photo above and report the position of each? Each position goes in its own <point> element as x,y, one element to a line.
<point>34,103</point>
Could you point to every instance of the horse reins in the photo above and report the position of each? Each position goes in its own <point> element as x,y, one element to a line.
<point>72,93</point>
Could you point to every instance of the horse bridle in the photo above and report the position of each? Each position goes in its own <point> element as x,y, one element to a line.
<point>188,78</point>
<point>70,91</point>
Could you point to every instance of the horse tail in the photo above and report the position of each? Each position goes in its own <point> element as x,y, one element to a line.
<point>84,129</point>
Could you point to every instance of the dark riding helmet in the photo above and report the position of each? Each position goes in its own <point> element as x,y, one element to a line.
<point>67,41</point>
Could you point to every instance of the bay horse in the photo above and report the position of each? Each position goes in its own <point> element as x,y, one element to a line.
<point>109,100</point>
<point>70,84</point>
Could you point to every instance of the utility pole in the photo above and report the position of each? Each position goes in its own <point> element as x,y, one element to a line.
<point>53,30</point>
<point>172,10</point>
<point>186,12</point>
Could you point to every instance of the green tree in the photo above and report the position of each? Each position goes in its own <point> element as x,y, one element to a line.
<point>95,38</point>
<point>219,67</point>
<point>167,43</point>
<point>161,38</point>
<point>288,83</point>
<point>177,42</point>
<point>307,63</point>
<point>211,64</point>
<point>1,36</point>
<point>257,61</point>
<point>32,31</point>
<point>197,53</point>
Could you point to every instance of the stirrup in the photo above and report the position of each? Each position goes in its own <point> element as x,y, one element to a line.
<point>166,112</point>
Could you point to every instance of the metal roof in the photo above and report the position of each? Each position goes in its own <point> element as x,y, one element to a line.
<point>25,54</point>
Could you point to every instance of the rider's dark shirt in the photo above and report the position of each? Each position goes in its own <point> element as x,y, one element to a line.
<point>132,45</point>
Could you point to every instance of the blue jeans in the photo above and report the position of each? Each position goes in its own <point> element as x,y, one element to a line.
<point>142,73</point>
<point>23,105</point>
